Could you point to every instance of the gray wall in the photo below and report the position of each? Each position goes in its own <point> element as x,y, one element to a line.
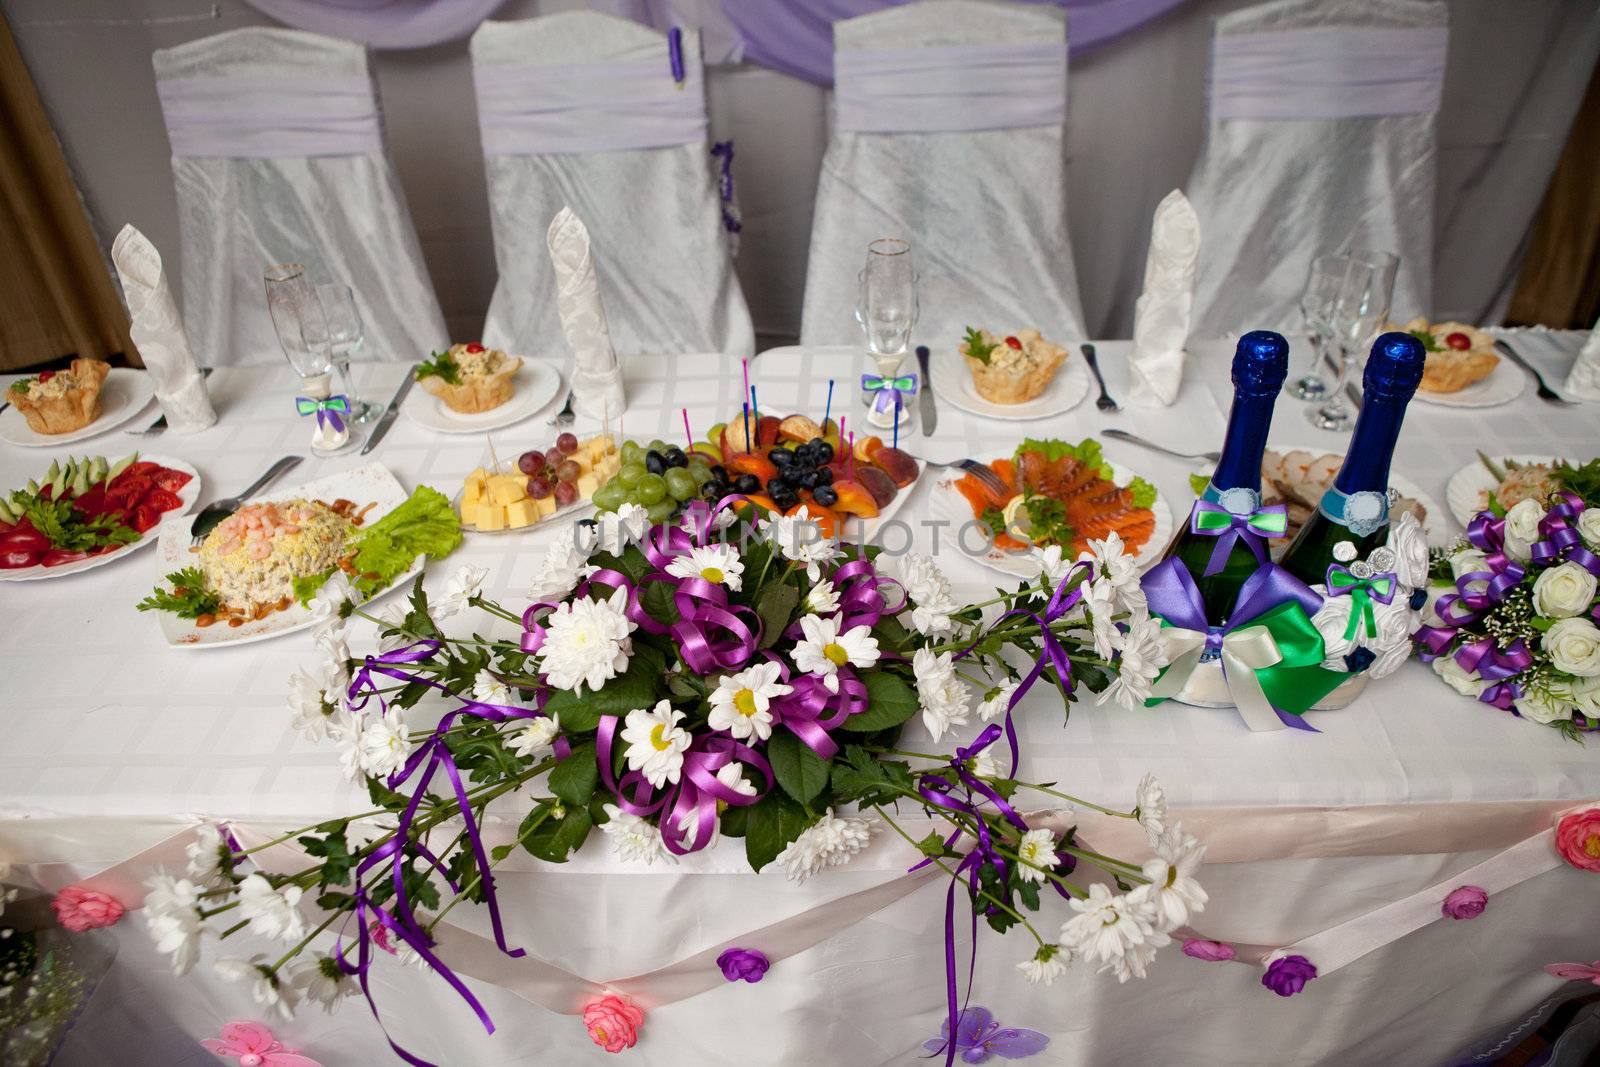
<point>1136,121</point>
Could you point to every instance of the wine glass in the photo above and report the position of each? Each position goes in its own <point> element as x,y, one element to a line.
<point>302,329</point>
<point>1384,267</point>
<point>1316,303</point>
<point>887,310</point>
<point>346,336</point>
<point>1352,320</point>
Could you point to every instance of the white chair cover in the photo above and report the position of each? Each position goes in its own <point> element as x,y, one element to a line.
<point>1321,139</point>
<point>947,132</point>
<point>278,157</point>
<point>581,109</point>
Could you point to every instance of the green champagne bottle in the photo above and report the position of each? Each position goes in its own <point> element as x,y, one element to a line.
<point>1356,507</point>
<point>1219,562</point>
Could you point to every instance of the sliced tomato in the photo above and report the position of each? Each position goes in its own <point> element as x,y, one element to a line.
<point>11,559</point>
<point>57,556</point>
<point>171,480</point>
<point>161,499</point>
<point>143,517</point>
<point>144,467</point>
<point>91,503</point>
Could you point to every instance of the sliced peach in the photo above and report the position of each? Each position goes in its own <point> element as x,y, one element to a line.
<point>855,499</point>
<point>897,465</point>
<point>867,447</point>
<point>798,428</point>
<point>878,483</point>
<point>734,439</point>
<point>767,430</point>
<point>761,503</point>
<point>752,463</point>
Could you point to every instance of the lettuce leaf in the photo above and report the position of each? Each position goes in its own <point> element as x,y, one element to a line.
<point>1143,493</point>
<point>1087,452</point>
<point>425,525</point>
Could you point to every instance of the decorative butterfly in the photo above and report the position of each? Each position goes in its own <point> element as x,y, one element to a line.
<point>254,1046</point>
<point>978,1036</point>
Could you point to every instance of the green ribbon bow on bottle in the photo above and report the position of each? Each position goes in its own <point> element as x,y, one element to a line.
<point>1362,592</point>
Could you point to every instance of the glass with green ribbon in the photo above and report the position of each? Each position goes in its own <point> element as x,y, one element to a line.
<point>887,392</point>
<point>329,410</point>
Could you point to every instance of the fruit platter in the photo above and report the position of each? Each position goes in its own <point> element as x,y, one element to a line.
<point>538,485</point>
<point>88,511</point>
<point>1052,493</point>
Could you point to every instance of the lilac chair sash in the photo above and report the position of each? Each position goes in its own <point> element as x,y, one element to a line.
<point>588,107</point>
<point>260,117</point>
<point>1328,72</point>
<point>950,87</point>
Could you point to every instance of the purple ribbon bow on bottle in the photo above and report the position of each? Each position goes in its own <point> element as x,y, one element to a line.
<point>328,409</point>
<point>1214,520</point>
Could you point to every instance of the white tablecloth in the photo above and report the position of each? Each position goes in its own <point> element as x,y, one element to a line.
<point>112,740</point>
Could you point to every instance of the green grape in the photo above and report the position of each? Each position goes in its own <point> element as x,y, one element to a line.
<point>699,472</point>
<point>681,484</point>
<point>609,497</point>
<point>659,445</point>
<point>661,510</point>
<point>650,489</point>
<point>629,474</point>
<point>632,453</point>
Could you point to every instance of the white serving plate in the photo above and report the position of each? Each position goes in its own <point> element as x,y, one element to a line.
<point>372,484</point>
<point>537,384</point>
<point>188,494</point>
<point>865,531</point>
<point>1464,493</point>
<point>123,395</point>
<point>949,505</point>
<point>1504,384</point>
<point>952,382</point>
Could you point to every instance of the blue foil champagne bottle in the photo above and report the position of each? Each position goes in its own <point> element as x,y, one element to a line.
<point>1213,545</point>
<point>1356,507</point>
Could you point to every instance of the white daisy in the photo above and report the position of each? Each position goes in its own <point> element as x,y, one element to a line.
<point>466,583</point>
<point>272,913</point>
<point>384,746</point>
<point>586,642</point>
<point>614,531</point>
<point>1108,928</point>
<point>490,689</point>
<point>330,605</point>
<point>928,592</point>
<point>347,736</point>
<point>1100,601</point>
<point>334,670</point>
<point>278,998</point>
<point>742,703</point>
<point>171,910</point>
<point>995,706</point>
<point>392,617</point>
<point>828,842</point>
<point>1038,848</point>
<point>942,695</point>
<point>557,574</point>
<point>1120,569</point>
<point>319,981</point>
<point>732,776</point>
<point>206,854</point>
<point>1150,805</point>
<point>718,564</point>
<point>1143,656</point>
<point>1135,962</point>
<point>1046,965</point>
<point>656,743</point>
<point>800,539</point>
<point>534,736</point>
<point>822,649</point>
<point>1172,892</point>
<point>823,599</point>
<point>633,839</point>
<point>309,708</point>
<point>984,764</point>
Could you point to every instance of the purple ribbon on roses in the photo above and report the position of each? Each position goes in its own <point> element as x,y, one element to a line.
<point>1559,540</point>
<point>327,409</point>
<point>1214,520</point>
<point>1061,601</point>
<point>698,791</point>
<point>1476,591</point>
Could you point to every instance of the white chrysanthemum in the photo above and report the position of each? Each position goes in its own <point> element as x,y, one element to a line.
<point>385,745</point>
<point>205,854</point>
<point>1135,962</point>
<point>1052,567</point>
<point>996,706</point>
<point>309,708</point>
<point>1120,569</point>
<point>488,688</point>
<point>928,592</point>
<point>278,998</point>
<point>1150,805</point>
<point>171,911</point>
<point>984,764</point>
<point>1110,929</point>
<point>633,839</point>
<point>614,531</point>
<point>347,735</point>
<point>334,668</point>
<point>534,736</point>
<point>799,538</point>
<point>329,605</point>
<point>272,913</point>
<point>466,583</point>
<point>829,842</point>
<point>656,743</point>
<point>392,617</point>
<point>558,572</point>
<point>1046,965</point>
<point>1143,656</point>
<point>941,694</point>
<point>319,981</point>
<point>822,649</point>
<point>823,599</point>
<point>742,703</point>
<point>1173,894</point>
<point>732,775</point>
<point>1099,600</point>
<point>587,642</point>
<point>1037,850</point>
<point>718,564</point>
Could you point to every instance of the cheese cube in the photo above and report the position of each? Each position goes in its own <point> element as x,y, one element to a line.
<point>506,489</point>
<point>587,484</point>
<point>491,517</point>
<point>546,505</point>
<point>521,513</point>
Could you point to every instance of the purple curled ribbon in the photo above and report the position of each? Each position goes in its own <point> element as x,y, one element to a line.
<point>1559,539</point>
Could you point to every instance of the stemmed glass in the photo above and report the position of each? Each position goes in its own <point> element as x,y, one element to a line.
<point>302,328</point>
<point>887,310</point>
<point>346,336</point>
<point>1384,265</point>
<point>1353,318</point>
<point>1316,303</point>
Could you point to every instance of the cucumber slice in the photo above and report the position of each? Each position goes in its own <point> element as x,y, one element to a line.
<point>121,465</point>
<point>97,470</point>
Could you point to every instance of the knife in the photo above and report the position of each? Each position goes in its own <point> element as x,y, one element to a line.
<point>930,417</point>
<point>386,420</point>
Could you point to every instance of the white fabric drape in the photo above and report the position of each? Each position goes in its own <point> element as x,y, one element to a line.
<point>1354,169</point>
<point>974,203</point>
<point>268,169</point>
<point>666,277</point>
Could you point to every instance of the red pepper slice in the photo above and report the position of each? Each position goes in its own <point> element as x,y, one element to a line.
<point>57,556</point>
<point>15,559</point>
<point>1013,342</point>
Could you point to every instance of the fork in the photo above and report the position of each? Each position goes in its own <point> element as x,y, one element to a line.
<point>564,417</point>
<point>1104,403</point>
<point>1545,392</point>
<point>989,478</point>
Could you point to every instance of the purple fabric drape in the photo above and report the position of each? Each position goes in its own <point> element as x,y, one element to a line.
<point>796,36</point>
<point>382,23</point>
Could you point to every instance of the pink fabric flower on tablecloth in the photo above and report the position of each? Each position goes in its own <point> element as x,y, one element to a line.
<point>1210,951</point>
<point>254,1046</point>
<point>1465,902</point>
<point>80,909</point>
<point>613,1022</point>
<point>1576,972</point>
<point>1578,839</point>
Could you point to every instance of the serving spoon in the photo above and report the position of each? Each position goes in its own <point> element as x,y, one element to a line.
<point>216,511</point>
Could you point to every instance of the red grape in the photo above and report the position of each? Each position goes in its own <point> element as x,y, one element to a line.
<point>539,486</point>
<point>530,462</point>
<point>568,443</point>
<point>1458,341</point>
<point>566,493</point>
<point>554,456</point>
<point>569,470</point>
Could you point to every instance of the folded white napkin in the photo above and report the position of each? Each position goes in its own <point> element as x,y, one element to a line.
<point>1161,315</point>
<point>596,374</point>
<point>158,333</point>
<point>1583,380</point>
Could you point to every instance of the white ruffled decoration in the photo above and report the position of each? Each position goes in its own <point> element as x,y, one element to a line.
<point>157,331</point>
<point>596,374</point>
<point>1583,380</point>
<point>1161,315</point>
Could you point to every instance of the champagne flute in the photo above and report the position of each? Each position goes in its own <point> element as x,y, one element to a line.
<point>346,336</point>
<point>1316,303</point>
<point>887,310</point>
<point>1352,320</point>
<point>302,329</point>
<point>1384,267</point>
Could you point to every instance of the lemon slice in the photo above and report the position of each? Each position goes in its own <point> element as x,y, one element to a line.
<point>1016,519</point>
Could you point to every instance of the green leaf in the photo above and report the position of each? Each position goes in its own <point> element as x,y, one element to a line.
<point>424,524</point>
<point>800,772</point>
<point>735,821</point>
<point>863,777</point>
<point>385,797</point>
<point>555,838</point>
<point>574,778</point>
<point>657,601</point>
<point>636,687</point>
<point>442,366</point>
<point>774,821</point>
<point>775,605</point>
<point>890,702</point>
<point>933,846</point>
<point>334,851</point>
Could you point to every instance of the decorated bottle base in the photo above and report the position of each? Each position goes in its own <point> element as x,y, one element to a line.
<point>1206,688</point>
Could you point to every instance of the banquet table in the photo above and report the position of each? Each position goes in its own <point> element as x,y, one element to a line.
<point>115,746</point>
